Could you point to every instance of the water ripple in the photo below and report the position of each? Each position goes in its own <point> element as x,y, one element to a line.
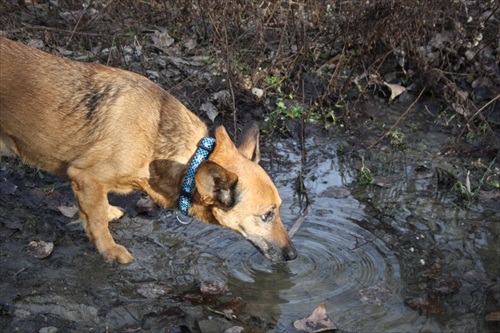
<point>337,258</point>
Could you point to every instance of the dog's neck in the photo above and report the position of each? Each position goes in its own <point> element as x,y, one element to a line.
<point>175,146</point>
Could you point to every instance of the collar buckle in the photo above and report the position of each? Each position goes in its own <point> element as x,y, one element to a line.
<point>177,216</point>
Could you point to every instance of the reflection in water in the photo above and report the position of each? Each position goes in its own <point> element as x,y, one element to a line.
<point>264,294</point>
<point>377,239</point>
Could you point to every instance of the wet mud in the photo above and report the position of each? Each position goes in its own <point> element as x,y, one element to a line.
<point>74,289</point>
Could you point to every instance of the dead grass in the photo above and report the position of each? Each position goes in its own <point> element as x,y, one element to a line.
<point>323,54</point>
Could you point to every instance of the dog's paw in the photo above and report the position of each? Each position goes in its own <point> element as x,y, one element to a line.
<point>114,213</point>
<point>120,254</point>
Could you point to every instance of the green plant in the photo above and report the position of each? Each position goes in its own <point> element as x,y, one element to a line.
<point>447,120</point>
<point>396,137</point>
<point>294,111</point>
<point>280,106</point>
<point>275,119</point>
<point>466,193</point>
<point>274,80</point>
<point>494,183</point>
<point>285,109</point>
<point>49,189</point>
<point>365,175</point>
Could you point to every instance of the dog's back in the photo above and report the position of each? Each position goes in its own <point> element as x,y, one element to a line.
<point>54,110</point>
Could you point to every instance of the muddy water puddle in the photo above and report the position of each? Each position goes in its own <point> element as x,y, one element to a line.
<point>398,256</point>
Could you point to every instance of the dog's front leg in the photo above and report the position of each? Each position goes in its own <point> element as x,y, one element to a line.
<point>114,213</point>
<point>96,212</point>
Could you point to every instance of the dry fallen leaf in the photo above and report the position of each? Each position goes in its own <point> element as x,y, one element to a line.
<point>427,304</point>
<point>489,195</point>
<point>190,44</point>
<point>493,316</point>
<point>318,321</point>
<point>154,290</point>
<point>396,89</point>
<point>230,309</point>
<point>68,211</point>
<point>162,40</point>
<point>210,110</point>
<point>195,298</point>
<point>40,250</point>
<point>213,287</point>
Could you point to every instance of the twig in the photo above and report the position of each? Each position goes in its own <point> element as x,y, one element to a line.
<point>302,130</point>
<point>397,121</point>
<point>19,271</point>
<point>358,245</point>
<point>232,100</point>
<point>298,223</point>
<point>477,112</point>
<point>74,30</point>
<point>228,66</point>
<point>229,316</point>
<point>229,80</point>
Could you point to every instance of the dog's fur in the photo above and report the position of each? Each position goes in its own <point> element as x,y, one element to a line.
<point>110,130</point>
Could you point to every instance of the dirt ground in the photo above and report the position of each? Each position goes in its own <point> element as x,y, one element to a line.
<point>74,289</point>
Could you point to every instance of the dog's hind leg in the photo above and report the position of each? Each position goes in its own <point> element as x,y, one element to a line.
<point>95,212</point>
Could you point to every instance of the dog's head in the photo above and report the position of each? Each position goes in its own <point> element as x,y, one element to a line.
<point>232,190</point>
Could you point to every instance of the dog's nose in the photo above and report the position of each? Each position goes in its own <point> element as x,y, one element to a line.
<point>290,253</point>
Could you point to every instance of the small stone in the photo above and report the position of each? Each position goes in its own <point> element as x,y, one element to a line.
<point>257,92</point>
<point>40,250</point>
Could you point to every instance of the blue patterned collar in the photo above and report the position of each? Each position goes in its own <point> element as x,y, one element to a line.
<point>204,149</point>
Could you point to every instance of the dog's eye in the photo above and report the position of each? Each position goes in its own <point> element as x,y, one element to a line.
<point>268,217</point>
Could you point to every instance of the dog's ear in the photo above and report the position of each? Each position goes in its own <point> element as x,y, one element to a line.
<point>216,185</point>
<point>248,142</point>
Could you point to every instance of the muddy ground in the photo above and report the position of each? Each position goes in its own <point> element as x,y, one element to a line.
<point>74,289</point>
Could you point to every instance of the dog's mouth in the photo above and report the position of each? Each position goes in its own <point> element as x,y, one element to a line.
<point>274,252</point>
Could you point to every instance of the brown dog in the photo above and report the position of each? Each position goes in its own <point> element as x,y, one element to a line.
<point>110,130</point>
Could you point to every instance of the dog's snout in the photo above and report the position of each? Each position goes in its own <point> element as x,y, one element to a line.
<point>290,253</point>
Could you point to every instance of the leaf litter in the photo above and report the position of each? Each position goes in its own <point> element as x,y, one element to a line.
<point>68,211</point>
<point>154,290</point>
<point>318,321</point>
